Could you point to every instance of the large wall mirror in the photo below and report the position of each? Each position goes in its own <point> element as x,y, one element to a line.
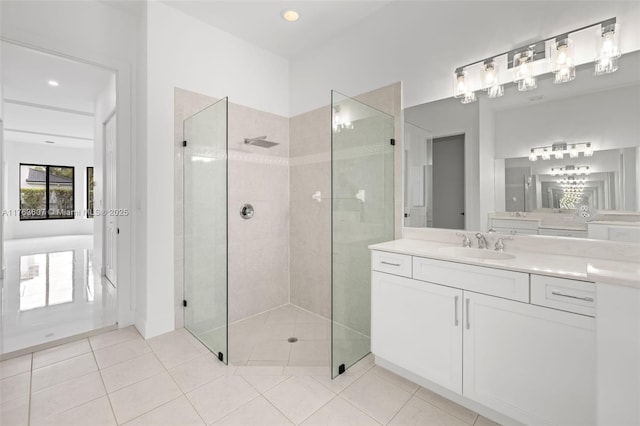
<point>471,166</point>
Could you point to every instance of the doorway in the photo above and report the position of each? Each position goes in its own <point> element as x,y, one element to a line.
<point>52,168</point>
<point>448,182</point>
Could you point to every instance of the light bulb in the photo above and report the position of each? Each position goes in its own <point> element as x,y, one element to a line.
<point>532,155</point>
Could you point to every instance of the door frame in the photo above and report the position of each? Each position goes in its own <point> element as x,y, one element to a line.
<point>113,279</point>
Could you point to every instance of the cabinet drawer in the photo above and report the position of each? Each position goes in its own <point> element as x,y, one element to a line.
<point>391,263</point>
<point>561,293</point>
<point>574,233</point>
<point>496,282</point>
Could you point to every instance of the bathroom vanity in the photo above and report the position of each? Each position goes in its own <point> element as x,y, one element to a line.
<point>509,334</point>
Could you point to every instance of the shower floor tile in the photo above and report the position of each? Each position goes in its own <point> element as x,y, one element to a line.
<point>263,340</point>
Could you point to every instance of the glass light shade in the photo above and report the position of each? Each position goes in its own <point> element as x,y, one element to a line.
<point>562,60</point>
<point>495,91</point>
<point>588,150</point>
<point>523,66</point>
<point>469,97</point>
<point>533,156</point>
<point>573,152</point>
<point>559,155</point>
<point>608,50</point>
<point>460,84</point>
<point>489,75</point>
<point>546,155</point>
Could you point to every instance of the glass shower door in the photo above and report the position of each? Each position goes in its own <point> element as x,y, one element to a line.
<point>362,214</point>
<point>205,227</point>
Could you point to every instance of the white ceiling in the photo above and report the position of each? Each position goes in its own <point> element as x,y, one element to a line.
<point>34,111</point>
<point>260,22</point>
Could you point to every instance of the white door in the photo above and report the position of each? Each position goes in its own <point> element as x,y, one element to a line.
<point>110,202</point>
<point>534,364</point>
<point>418,326</point>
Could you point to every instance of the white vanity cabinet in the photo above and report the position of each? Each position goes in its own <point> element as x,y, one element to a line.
<point>473,330</point>
<point>534,364</point>
<point>418,326</point>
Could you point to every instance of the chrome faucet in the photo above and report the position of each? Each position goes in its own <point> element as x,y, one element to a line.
<point>500,243</point>
<point>482,241</point>
<point>466,242</point>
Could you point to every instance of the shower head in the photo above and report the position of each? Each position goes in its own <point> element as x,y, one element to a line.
<point>261,141</point>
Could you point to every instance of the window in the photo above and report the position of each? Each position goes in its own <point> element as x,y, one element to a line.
<point>46,192</point>
<point>89,192</point>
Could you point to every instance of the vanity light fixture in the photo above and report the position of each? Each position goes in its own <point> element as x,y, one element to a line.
<point>570,170</point>
<point>562,60</point>
<point>491,79</point>
<point>523,65</point>
<point>490,74</point>
<point>608,52</point>
<point>559,149</point>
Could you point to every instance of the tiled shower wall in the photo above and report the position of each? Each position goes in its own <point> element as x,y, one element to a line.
<point>259,247</point>
<point>284,253</point>
<point>310,170</point>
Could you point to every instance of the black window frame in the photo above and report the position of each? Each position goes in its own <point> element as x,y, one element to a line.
<point>90,211</point>
<point>47,193</point>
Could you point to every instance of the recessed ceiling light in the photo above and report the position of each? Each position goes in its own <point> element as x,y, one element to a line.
<point>49,142</point>
<point>53,83</point>
<point>290,15</point>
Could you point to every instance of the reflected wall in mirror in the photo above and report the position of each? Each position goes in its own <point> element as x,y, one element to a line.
<point>604,181</point>
<point>499,179</point>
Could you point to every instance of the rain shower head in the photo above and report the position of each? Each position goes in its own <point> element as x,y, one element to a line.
<point>261,141</point>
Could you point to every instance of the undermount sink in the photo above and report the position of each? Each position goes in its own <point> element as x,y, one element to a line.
<point>475,253</point>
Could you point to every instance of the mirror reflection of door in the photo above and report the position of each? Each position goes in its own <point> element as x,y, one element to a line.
<point>448,182</point>
<point>418,179</point>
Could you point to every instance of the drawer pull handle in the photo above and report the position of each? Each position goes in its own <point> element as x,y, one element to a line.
<point>455,304</point>
<point>585,298</point>
<point>468,320</point>
<point>389,263</point>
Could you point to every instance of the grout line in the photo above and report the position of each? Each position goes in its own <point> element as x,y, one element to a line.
<point>181,391</point>
<point>400,409</point>
<point>104,385</point>
<point>30,391</point>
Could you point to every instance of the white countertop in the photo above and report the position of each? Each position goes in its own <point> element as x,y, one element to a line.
<point>563,266</point>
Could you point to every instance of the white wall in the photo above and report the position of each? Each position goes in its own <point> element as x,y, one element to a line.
<point>29,153</point>
<point>105,106</point>
<point>95,32</point>
<point>608,119</point>
<point>184,52</point>
<point>421,42</point>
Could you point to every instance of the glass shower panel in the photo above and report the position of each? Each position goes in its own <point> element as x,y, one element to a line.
<point>205,227</point>
<point>362,214</point>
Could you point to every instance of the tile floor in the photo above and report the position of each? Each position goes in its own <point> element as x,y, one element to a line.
<point>119,378</point>
<point>52,291</point>
<point>262,339</point>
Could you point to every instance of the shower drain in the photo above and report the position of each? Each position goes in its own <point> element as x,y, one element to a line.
<point>292,339</point>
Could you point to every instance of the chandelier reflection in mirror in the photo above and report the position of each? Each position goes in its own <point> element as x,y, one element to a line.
<point>522,65</point>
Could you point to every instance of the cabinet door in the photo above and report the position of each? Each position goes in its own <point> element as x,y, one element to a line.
<point>534,364</point>
<point>418,326</point>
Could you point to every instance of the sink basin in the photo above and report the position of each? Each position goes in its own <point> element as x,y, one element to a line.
<point>474,253</point>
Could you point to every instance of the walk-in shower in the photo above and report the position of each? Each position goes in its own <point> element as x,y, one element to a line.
<point>229,259</point>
